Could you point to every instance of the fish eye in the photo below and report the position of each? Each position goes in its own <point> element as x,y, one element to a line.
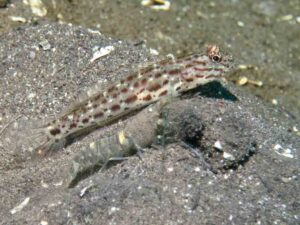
<point>216,58</point>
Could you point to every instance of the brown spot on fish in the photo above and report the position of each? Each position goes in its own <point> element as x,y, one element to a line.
<point>165,62</point>
<point>115,95</point>
<point>83,109</point>
<point>210,76</point>
<point>130,77</point>
<point>131,99</point>
<point>147,98</point>
<point>136,84</point>
<point>115,107</point>
<point>97,97</point>
<point>124,90</point>
<point>111,89</point>
<point>165,82</point>
<point>144,81</point>
<point>55,131</point>
<point>95,106</point>
<point>163,93</point>
<point>141,90</point>
<point>202,69</point>
<point>154,87</point>
<point>174,71</point>
<point>104,101</point>
<point>198,62</point>
<point>85,120</point>
<point>199,76</point>
<point>189,79</point>
<point>73,125</point>
<point>146,70</point>
<point>98,115</point>
<point>189,65</point>
<point>158,75</point>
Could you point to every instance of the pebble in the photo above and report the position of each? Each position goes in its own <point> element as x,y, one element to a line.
<point>45,45</point>
<point>228,156</point>
<point>218,145</point>
<point>240,24</point>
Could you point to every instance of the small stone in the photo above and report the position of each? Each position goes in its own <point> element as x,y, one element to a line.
<point>240,24</point>
<point>113,210</point>
<point>157,4</point>
<point>218,145</point>
<point>286,18</point>
<point>242,81</point>
<point>32,55</point>
<point>45,45</point>
<point>295,129</point>
<point>197,169</point>
<point>274,101</point>
<point>18,19</point>
<point>153,51</point>
<point>228,156</point>
<point>170,169</point>
<point>44,222</point>
<point>31,96</point>
<point>286,152</point>
<point>242,67</point>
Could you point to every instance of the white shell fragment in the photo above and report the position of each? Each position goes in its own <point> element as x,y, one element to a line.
<point>17,19</point>
<point>286,152</point>
<point>157,4</point>
<point>153,51</point>
<point>102,52</point>
<point>94,31</point>
<point>286,17</point>
<point>44,222</point>
<point>218,145</point>
<point>228,156</point>
<point>84,190</point>
<point>240,24</point>
<point>20,206</point>
<point>45,45</point>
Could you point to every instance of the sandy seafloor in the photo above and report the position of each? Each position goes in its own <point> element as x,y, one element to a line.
<point>169,186</point>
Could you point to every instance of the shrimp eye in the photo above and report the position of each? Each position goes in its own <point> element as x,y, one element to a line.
<point>216,58</point>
